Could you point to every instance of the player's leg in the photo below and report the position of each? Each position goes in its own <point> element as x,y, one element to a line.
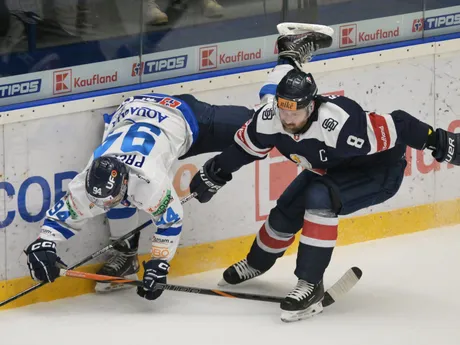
<point>340,192</point>
<point>217,124</point>
<point>275,235</point>
<point>123,261</point>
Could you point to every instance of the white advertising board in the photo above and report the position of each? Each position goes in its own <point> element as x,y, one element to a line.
<point>217,56</point>
<point>42,155</point>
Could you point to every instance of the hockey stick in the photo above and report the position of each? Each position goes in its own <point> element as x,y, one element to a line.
<point>94,255</point>
<point>340,288</point>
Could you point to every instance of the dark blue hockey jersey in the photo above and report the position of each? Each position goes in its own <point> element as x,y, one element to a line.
<point>340,135</point>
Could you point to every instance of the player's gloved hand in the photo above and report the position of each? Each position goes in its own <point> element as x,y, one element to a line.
<point>155,271</point>
<point>208,181</point>
<point>44,264</point>
<point>445,146</point>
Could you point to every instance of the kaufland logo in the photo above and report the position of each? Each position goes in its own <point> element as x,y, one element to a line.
<point>64,82</point>
<point>210,58</point>
<point>350,36</point>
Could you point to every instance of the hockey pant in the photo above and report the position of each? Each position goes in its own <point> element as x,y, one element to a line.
<point>313,203</point>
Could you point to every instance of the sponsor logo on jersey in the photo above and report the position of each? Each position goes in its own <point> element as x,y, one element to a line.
<point>160,252</point>
<point>443,21</point>
<point>73,213</point>
<point>159,65</point>
<point>330,124</point>
<point>162,205</point>
<point>268,114</point>
<point>209,57</point>
<point>20,88</point>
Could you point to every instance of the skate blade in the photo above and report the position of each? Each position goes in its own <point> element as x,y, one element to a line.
<point>300,28</point>
<point>292,316</point>
<point>222,282</point>
<point>110,287</point>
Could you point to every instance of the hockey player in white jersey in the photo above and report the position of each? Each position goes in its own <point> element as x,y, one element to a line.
<point>131,171</point>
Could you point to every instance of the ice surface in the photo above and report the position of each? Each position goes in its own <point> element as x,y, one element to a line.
<point>407,296</point>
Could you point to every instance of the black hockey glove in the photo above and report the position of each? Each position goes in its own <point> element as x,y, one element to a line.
<point>43,262</point>
<point>208,181</point>
<point>445,146</point>
<point>155,271</point>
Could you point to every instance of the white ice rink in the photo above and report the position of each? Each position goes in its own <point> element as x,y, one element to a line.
<point>407,295</point>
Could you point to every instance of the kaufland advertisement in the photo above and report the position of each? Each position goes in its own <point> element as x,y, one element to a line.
<point>216,56</point>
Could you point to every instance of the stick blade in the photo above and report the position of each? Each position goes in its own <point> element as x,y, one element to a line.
<point>342,286</point>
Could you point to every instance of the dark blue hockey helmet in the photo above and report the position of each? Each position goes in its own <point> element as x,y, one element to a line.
<point>106,182</point>
<point>296,90</point>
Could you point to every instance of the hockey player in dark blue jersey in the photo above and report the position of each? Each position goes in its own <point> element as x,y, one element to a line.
<point>352,159</point>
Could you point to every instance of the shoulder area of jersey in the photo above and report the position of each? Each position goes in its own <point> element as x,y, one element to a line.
<point>266,112</point>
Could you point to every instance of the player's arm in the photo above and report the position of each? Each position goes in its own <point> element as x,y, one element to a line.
<point>370,133</point>
<point>67,217</point>
<point>249,145</point>
<point>62,222</point>
<point>168,214</point>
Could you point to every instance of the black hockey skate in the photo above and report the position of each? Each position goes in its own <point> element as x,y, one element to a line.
<point>122,263</point>
<point>238,273</point>
<point>303,302</point>
<point>300,48</point>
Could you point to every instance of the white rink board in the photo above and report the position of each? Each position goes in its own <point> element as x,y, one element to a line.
<point>52,147</point>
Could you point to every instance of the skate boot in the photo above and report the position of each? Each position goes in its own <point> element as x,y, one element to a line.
<point>299,48</point>
<point>238,273</point>
<point>122,263</point>
<point>302,302</point>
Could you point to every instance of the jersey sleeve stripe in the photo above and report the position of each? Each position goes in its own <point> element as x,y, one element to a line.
<point>243,140</point>
<point>381,132</point>
<point>54,226</point>
<point>171,231</point>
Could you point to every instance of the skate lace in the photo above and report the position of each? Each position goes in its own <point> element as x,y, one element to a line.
<point>306,51</point>
<point>245,271</point>
<point>302,290</point>
<point>116,262</point>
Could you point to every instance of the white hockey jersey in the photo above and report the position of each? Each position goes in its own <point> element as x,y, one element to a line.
<point>148,133</point>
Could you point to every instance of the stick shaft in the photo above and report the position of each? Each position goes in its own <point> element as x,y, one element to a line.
<point>179,288</point>
<point>94,255</point>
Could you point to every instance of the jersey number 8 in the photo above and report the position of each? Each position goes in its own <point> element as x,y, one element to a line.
<point>355,142</point>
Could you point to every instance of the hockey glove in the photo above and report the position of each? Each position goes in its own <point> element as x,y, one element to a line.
<point>155,271</point>
<point>445,146</point>
<point>208,181</point>
<point>42,260</point>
